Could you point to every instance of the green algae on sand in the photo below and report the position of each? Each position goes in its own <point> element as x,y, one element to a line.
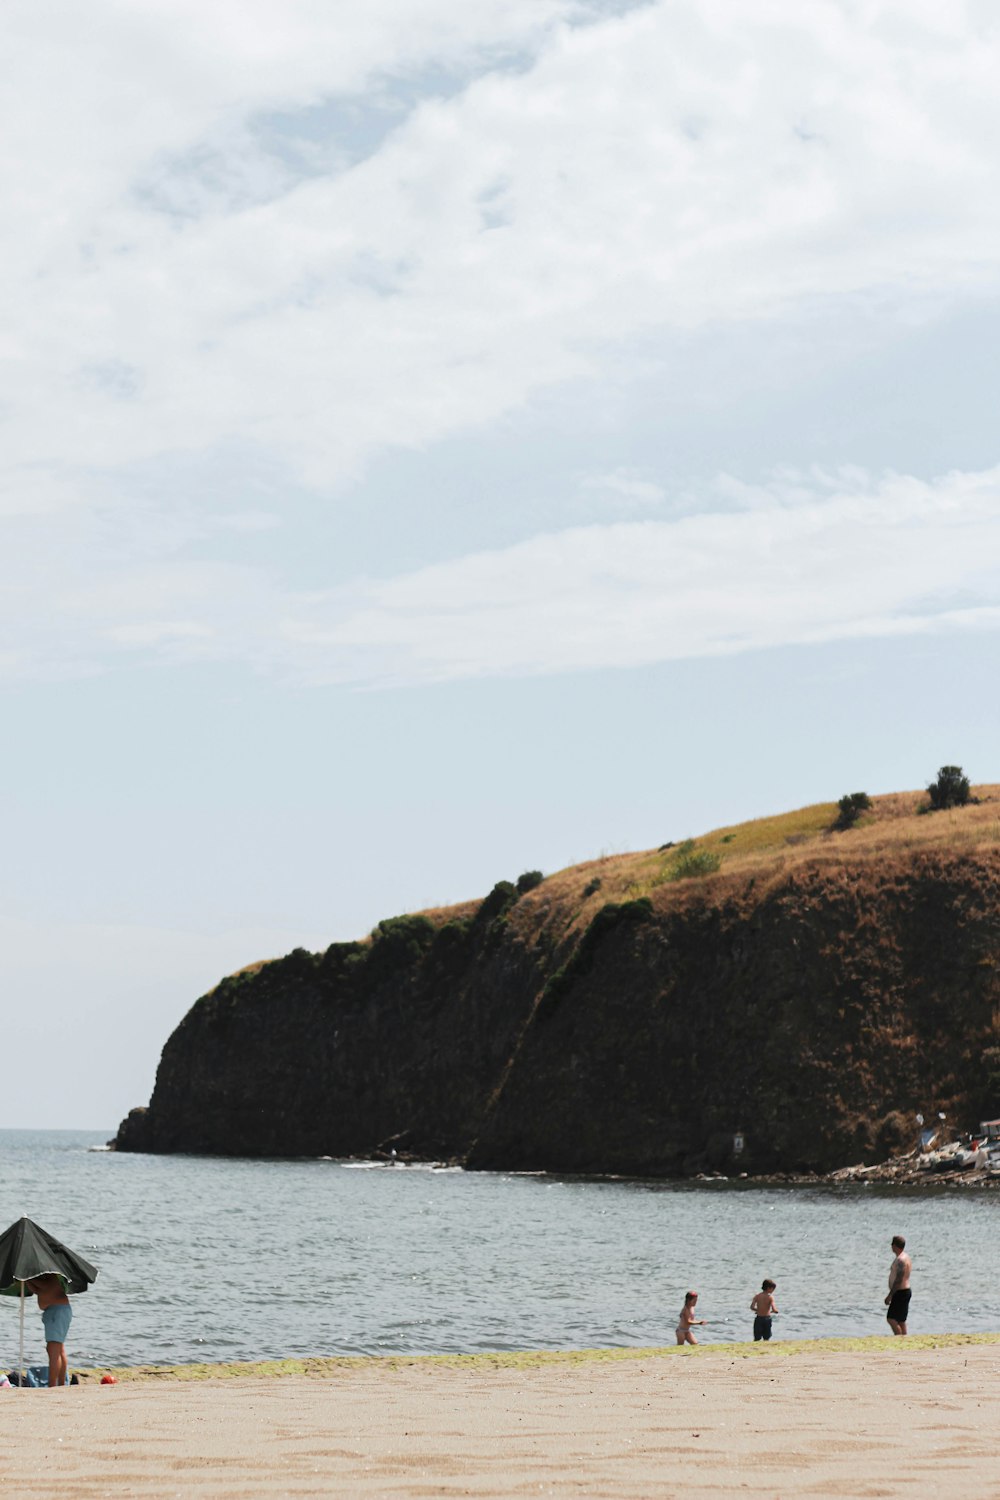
<point>322,1368</point>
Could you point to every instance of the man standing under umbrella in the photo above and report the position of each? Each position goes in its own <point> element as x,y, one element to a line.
<point>34,1262</point>
<point>57,1315</point>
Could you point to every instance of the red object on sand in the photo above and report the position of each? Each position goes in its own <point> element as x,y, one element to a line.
<point>108,1380</point>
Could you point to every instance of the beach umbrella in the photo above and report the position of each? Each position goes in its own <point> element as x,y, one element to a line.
<point>26,1251</point>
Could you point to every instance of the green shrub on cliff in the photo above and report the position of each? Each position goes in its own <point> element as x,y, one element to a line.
<point>950,790</point>
<point>499,901</point>
<point>700,862</point>
<point>452,935</point>
<point>342,960</point>
<point>688,862</point>
<point>406,930</point>
<point>850,807</point>
<point>398,942</point>
<point>502,897</point>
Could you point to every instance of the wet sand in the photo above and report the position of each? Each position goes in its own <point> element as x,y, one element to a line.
<point>878,1419</point>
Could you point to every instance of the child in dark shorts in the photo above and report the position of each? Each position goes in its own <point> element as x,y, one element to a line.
<point>764,1307</point>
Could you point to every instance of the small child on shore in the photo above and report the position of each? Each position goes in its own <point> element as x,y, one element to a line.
<point>687,1319</point>
<point>763,1306</point>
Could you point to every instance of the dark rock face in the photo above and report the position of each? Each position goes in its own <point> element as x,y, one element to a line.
<point>814,1020</point>
<point>354,1051</point>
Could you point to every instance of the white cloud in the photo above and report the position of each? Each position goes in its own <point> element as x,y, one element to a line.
<point>103,103</point>
<point>158,632</point>
<point>688,162</point>
<point>807,560</point>
<point>684,164</point>
<point>626,487</point>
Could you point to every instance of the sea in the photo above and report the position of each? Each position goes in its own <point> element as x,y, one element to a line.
<point>209,1258</point>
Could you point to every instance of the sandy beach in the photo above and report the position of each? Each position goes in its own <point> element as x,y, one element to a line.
<point>876,1419</point>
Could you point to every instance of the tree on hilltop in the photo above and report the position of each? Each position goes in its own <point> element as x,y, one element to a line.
<point>950,790</point>
<point>850,808</point>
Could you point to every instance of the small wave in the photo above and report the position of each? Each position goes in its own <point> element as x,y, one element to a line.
<point>398,1166</point>
<point>426,1166</point>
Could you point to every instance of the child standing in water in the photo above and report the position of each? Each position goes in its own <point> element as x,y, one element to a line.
<point>687,1319</point>
<point>764,1307</point>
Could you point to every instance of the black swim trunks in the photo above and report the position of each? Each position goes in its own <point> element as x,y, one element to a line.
<point>899,1306</point>
<point>761,1329</point>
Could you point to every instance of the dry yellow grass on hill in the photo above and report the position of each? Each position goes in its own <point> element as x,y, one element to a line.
<point>765,848</point>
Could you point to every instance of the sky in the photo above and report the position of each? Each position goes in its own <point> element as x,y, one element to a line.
<point>441,441</point>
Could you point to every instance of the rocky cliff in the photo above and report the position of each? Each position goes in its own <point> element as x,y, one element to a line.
<point>630,1016</point>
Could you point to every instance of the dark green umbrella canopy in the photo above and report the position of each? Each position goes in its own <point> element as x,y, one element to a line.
<point>27,1250</point>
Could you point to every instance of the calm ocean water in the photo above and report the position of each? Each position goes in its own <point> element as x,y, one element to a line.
<point>211,1259</point>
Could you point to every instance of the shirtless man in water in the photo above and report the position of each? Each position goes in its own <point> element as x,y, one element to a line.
<point>56,1312</point>
<point>898,1300</point>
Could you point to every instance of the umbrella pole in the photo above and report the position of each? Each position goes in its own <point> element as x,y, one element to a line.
<point>21,1359</point>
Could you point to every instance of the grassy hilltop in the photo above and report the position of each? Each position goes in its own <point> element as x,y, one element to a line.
<point>752,855</point>
<point>898,827</point>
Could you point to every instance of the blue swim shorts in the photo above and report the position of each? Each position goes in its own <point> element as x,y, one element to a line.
<point>56,1321</point>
